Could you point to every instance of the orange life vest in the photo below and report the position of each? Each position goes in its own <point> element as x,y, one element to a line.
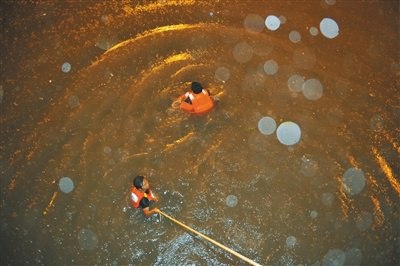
<point>137,195</point>
<point>202,103</point>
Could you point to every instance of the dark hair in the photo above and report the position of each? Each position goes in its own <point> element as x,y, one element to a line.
<point>196,87</point>
<point>138,181</point>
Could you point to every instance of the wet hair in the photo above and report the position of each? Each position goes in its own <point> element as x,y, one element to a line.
<point>196,87</point>
<point>138,181</point>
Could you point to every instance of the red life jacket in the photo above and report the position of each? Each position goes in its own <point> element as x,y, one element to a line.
<point>202,103</point>
<point>137,195</point>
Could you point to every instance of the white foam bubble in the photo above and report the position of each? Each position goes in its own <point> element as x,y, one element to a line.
<point>288,133</point>
<point>271,67</point>
<point>309,167</point>
<point>66,184</point>
<point>312,89</point>
<point>222,74</point>
<point>334,257</point>
<point>242,52</point>
<point>266,125</point>
<point>353,257</point>
<point>231,201</point>
<point>353,181</point>
<point>291,241</point>
<point>294,36</point>
<point>330,2</point>
<point>329,28</point>
<point>66,67</point>
<point>282,19</point>
<point>314,31</point>
<point>295,83</point>
<point>272,22</point>
<point>327,199</point>
<point>253,23</point>
<point>364,221</point>
<point>313,214</point>
<point>87,239</point>
<point>73,101</point>
<point>107,150</point>
<point>377,122</point>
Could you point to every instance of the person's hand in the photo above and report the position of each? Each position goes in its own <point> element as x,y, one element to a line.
<point>156,210</point>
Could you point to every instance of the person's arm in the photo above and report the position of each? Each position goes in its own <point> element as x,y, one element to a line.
<point>149,212</point>
<point>145,204</point>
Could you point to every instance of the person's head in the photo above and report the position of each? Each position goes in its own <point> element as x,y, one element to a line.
<point>140,182</point>
<point>196,87</point>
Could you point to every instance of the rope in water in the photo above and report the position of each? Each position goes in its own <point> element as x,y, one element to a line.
<point>211,240</point>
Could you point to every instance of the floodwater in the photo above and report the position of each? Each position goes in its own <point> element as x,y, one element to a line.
<point>298,164</point>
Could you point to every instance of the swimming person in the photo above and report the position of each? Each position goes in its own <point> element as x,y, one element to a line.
<point>142,196</point>
<point>198,101</point>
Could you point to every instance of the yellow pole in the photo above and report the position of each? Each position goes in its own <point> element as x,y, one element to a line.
<point>251,262</point>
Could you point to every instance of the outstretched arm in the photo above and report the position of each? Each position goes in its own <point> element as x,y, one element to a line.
<point>149,212</point>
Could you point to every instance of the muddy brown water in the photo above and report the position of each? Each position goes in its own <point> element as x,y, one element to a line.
<point>332,198</point>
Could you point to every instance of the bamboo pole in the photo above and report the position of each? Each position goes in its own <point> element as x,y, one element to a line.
<point>251,262</point>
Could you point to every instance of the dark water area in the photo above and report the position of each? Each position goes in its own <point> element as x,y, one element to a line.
<point>298,163</point>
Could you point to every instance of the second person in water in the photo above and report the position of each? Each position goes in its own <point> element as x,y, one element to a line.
<point>198,101</point>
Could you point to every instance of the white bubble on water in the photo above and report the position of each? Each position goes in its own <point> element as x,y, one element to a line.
<point>107,150</point>
<point>330,2</point>
<point>271,67</point>
<point>295,83</point>
<point>314,31</point>
<point>327,199</point>
<point>266,125</point>
<point>312,89</point>
<point>334,257</point>
<point>242,52</point>
<point>309,167</point>
<point>294,36</point>
<point>377,122</point>
<point>272,22</point>
<point>288,133</point>
<point>353,181</point>
<point>66,67</point>
<point>73,101</point>
<point>87,239</point>
<point>364,221</point>
<point>291,241</point>
<point>329,28</point>
<point>66,184</point>
<point>231,201</point>
<point>222,74</point>
<point>313,214</point>
<point>282,19</point>
<point>353,257</point>
<point>254,23</point>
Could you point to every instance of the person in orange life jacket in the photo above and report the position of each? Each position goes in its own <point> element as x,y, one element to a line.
<point>199,102</point>
<point>141,195</point>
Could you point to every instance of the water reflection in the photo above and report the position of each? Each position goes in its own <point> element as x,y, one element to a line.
<point>87,95</point>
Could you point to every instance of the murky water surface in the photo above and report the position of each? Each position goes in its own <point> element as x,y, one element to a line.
<point>298,164</point>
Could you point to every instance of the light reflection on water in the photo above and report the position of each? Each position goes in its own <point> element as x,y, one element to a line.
<point>70,109</point>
